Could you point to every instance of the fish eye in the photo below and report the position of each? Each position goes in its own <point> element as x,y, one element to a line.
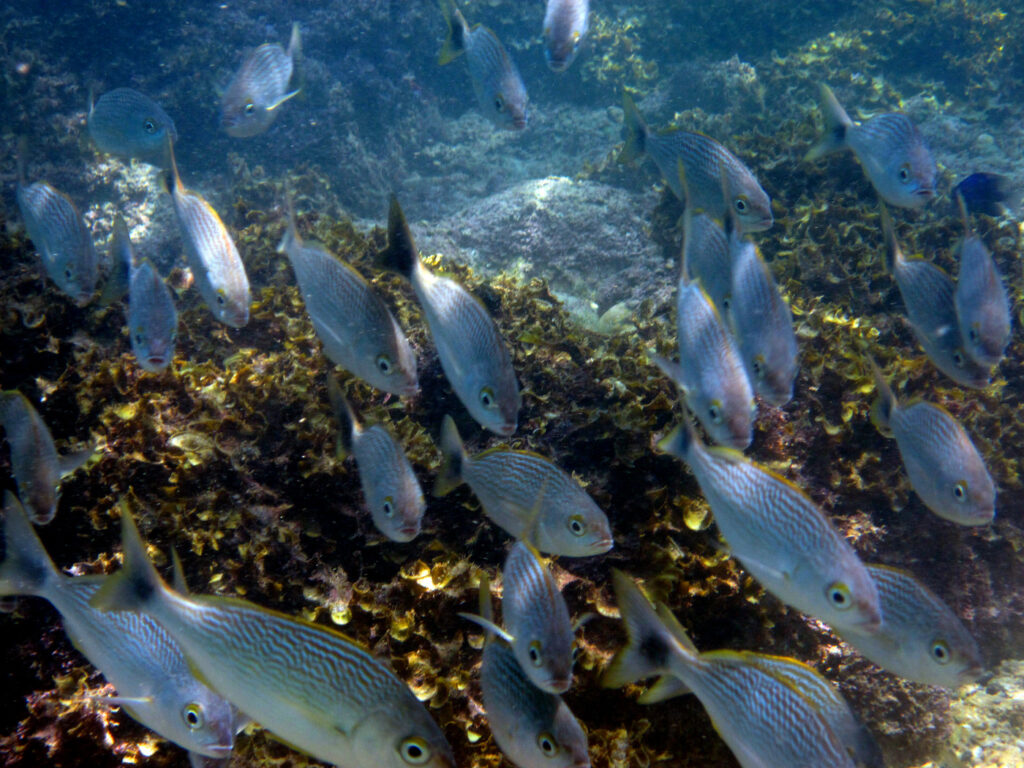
<point>740,205</point>
<point>384,364</point>
<point>68,273</point>
<point>139,338</point>
<point>547,744</point>
<point>388,506</point>
<point>220,299</point>
<point>534,653</point>
<point>726,303</point>
<point>249,108</point>
<point>904,173</point>
<point>192,714</point>
<point>758,367</point>
<point>414,751</point>
<point>715,412</point>
<point>960,491</point>
<point>958,358</point>
<point>838,595</point>
<point>487,397</point>
<point>972,334</point>
<point>576,525</point>
<point>499,102</point>
<point>940,652</point>
<point>149,125</point>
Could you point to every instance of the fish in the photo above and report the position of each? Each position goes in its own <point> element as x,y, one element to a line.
<point>129,124</point>
<point>710,372</point>
<point>982,308</point>
<point>707,258</point>
<point>260,86</point>
<point>533,728</point>
<point>928,297</point>
<point>921,639</point>
<point>890,148</point>
<point>705,162</point>
<point>473,355</point>
<point>391,491</point>
<point>147,667</point>
<point>779,535</point>
<point>987,193</point>
<point>565,27</point>
<point>212,254</point>
<point>537,623</point>
<point>499,88</point>
<point>122,260</point>
<point>761,320</point>
<point>355,326</point>
<point>61,237</point>
<point>35,463</point>
<point>945,469</point>
<point>763,717</point>
<point>309,685</point>
<point>152,318</point>
<point>527,496</point>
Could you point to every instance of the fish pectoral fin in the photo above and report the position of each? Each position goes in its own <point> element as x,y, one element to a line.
<point>121,701</point>
<point>586,617</point>
<point>74,461</point>
<point>283,99</point>
<point>490,626</point>
<point>666,687</point>
<point>195,760</point>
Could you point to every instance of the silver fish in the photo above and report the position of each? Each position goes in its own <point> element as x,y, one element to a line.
<point>212,254</point>
<point>472,352</point>
<point>928,297</point>
<point>35,463</point>
<point>944,467</point>
<point>129,124</point>
<point>766,720</point>
<point>706,256</point>
<point>152,318</point>
<point>60,236</point>
<point>982,309</point>
<point>496,81</point>
<point>889,147</point>
<point>780,536</point>
<point>310,686</point>
<point>565,27</point>
<point>250,103</point>
<point>390,489</point>
<point>534,729</point>
<point>762,322</point>
<point>527,496</point>
<point>355,326</point>
<point>152,677</point>
<point>705,162</point>
<point>121,260</point>
<point>921,639</point>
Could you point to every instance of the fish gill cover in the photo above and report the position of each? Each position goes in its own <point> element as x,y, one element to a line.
<point>229,455</point>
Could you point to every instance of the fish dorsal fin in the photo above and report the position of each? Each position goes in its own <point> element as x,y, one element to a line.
<point>178,581</point>
<point>72,462</point>
<point>282,100</point>
<point>884,405</point>
<point>674,627</point>
<point>348,421</point>
<point>490,626</point>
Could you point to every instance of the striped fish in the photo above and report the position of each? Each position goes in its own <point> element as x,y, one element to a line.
<point>982,309</point>
<point>780,536</point>
<point>921,639</point>
<point>355,326</point>
<point>762,322</point>
<point>128,124</point>
<point>710,371</point>
<point>61,237</point>
<point>35,463</point>
<point>472,352</point>
<point>391,491</point>
<point>250,103</point>
<point>944,467</point>
<point>533,728</point>
<point>153,680</point>
<point>212,254</point>
<point>310,686</point>
<point>152,318</point>
<point>496,81</point>
<point>706,256</point>
<point>929,299</point>
<point>565,27</point>
<point>527,496</point>
<point>705,162</point>
<point>763,714</point>
<point>890,149</point>
<point>121,260</point>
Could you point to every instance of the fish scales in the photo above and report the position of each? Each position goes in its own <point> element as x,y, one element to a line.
<point>129,124</point>
<point>565,26</point>
<point>982,308</point>
<point>34,460</point>
<point>152,318</point>
<point>260,86</point>
<point>707,258</point>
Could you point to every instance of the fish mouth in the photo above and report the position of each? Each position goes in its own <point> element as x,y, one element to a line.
<point>558,65</point>
<point>409,531</point>
<point>218,751</point>
<point>519,123</point>
<point>871,623</point>
<point>557,684</point>
<point>924,192</point>
<point>507,429</point>
<point>602,545</point>
<point>409,390</point>
<point>156,361</point>
<point>767,222</point>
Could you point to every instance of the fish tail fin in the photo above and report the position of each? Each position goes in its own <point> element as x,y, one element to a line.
<point>882,408</point>
<point>651,644</point>
<point>634,131</point>
<point>348,421</point>
<point>27,568</point>
<point>291,237</point>
<point>400,253</point>
<point>837,122</point>
<point>679,441</point>
<point>137,585</point>
<point>455,41</point>
<point>893,254</point>
<point>450,475</point>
